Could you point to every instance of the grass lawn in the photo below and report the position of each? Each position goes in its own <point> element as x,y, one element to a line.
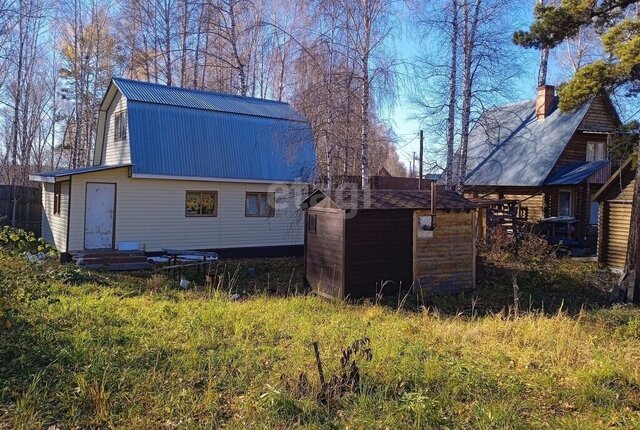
<point>82,350</point>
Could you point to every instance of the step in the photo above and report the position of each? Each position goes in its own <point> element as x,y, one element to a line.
<point>113,259</point>
<point>105,254</point>
<point>117,267</point>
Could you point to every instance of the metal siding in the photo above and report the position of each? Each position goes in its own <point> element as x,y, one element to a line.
<point>178,141</point>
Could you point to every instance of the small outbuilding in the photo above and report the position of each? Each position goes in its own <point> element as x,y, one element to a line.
<point>615,199</point>
<point>360,243</point>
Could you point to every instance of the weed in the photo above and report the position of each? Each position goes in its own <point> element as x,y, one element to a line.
<point>121,357</point>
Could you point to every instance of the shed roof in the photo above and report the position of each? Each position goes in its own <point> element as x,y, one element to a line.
<point>389,199</point>
<point>180,132</point>
<point>510,147</point>
<point>60,174</point>
<point>575,173</point>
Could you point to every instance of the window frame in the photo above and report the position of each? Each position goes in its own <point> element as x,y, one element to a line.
<point>271,199</point>
<point>57,198</point>
<point>199,214</point>
<point>571,204</point>
<point>596,145</point>
<point>120,125</point>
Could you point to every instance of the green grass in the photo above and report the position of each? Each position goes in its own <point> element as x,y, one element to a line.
<point>121,352</point>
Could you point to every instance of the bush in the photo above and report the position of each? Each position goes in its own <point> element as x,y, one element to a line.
<point>72,275</point>
<point>19,241</point>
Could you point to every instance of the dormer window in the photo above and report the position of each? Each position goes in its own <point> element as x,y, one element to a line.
<point>596,151</point>
<point>120,125</point>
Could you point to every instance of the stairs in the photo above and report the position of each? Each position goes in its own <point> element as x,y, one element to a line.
<point>110,260</point>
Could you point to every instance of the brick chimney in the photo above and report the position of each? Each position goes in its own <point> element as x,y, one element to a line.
<point>544,101</point>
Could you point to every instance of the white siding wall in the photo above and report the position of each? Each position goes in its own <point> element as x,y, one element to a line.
<point>152,212</point>
<point>54,226</point>
<point>115,151</point>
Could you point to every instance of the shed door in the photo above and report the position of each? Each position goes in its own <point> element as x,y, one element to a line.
<point>99,215</point>
<point>618,219</point>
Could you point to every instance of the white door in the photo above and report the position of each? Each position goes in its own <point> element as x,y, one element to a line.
<point>99,215</point>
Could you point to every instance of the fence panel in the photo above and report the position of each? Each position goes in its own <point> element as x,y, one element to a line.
<point>21,207</point>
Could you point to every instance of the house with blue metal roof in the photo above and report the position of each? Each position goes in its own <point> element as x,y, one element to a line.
<point>187,169</point>
<point>551,162</point>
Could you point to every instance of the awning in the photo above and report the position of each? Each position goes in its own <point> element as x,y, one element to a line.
<point>575,173</point>
<point>63,175</point>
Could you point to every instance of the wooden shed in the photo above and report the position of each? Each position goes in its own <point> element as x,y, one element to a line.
<point>615,199</point>
<point>362,243</point>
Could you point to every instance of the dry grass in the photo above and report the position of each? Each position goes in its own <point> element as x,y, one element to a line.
<point>89,356</point>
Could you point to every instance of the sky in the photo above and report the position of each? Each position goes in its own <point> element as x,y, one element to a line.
<point>399,115</point>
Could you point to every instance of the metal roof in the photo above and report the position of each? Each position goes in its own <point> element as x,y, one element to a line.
<point>510,147</point>
<point>575,173</point>
<point>146,92</point>
<point>191,133</point>
<point>178,141</point>
<point>389,199</point>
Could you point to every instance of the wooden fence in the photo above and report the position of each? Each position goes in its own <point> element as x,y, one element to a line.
<point>21,207</point>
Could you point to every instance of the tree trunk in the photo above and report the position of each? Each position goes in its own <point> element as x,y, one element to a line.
<point>542,72</point>
<point>633,250</point>
<point>453,86</point>
<point>167,44</point>
<point>544,61</point>
<point>470,24</point>
<point>366,93</point>
<point>233,37</point>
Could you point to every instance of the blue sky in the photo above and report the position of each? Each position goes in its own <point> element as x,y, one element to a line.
<point>399,116</point>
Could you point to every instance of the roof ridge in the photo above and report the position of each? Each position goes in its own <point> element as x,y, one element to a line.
<point>521,102</point>
<point>194,90</point>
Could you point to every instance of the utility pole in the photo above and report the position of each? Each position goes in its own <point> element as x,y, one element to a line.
<point>421,159</point>
<point>413,164</point>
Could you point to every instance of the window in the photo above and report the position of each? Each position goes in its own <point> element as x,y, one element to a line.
<point>260,204</point>
<point>596,151</point>
<point>201,203</point>
<point>57,197</point>
<point>565,203</point>
<point>312,223</point>
<point>120,125</point>
<point>594,213</point>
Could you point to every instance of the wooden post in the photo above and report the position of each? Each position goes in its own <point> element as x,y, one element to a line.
<point>433,197</point>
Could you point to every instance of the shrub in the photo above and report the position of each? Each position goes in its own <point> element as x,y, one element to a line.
<point>18,241</point>
<point>20,283</point>
<point>71,275</point>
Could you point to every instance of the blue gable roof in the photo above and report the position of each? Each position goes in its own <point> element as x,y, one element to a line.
<point>190,133</point>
